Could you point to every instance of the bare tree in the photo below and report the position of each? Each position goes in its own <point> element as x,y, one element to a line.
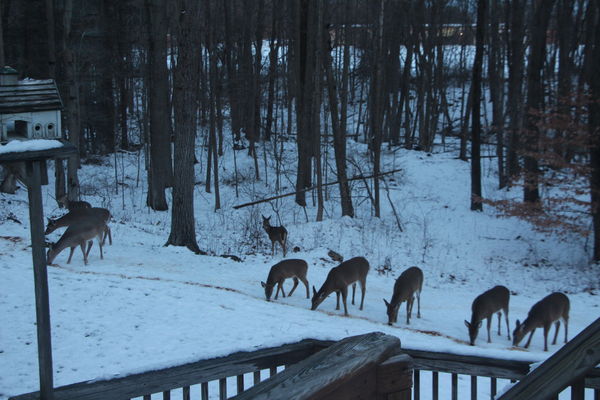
<point>183,223</point>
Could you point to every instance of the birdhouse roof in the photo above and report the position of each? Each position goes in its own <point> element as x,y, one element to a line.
<point>29,95</point>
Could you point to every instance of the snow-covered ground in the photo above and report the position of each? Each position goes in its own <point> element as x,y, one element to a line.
<point>146,306</point>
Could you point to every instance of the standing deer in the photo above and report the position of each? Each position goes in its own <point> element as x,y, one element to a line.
<point>292,268</point>
<point>78,234</point>
<point>338,279</point>
<point>408,284</point>
<point>72,205</point>
<point>78,215</point>
<point>551,308</point>
<point>276,234</point>
<point>485,306</point>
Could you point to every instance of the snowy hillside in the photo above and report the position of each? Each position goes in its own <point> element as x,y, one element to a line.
<point>147,306</point>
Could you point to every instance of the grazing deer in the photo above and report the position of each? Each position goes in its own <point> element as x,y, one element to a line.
<point>72,205</point>
<point>292,268</point>
<point>338,279</point>
<point>408,284</point>
<point>551,308</point>
<point>78,234</point>
<point>485,306</point>
<point>276,234</point>
<point>79,214</point>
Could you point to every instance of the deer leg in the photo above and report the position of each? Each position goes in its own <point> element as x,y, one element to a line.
<point>499,322</point>
<point>353,292</point>
<point>100,244</point>
<point>70,254</point>
<point>344,295</point>
<point>337,295</point>
<point>489,327</point>
<point>566,321</point>
<point>272,248</point>
<point>557,325</point>
<point>546,330</point>
<point>408,310</point>
<point>294,287</point>
<point>281,286</point>
<point>283,243</point>
<point>277,291</point>
<point>85,254</point>
<point>530,336</point>
<point>506,317</point>
<point>89,247</point>
<point>363,287</point>
<point>306,284</point>
<point>419,304</point>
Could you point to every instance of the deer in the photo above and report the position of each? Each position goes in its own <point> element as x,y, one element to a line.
<point>78,234</point>
<point>291,268</point>
<point>485,306</point>
<point>72,205</point>
<point>338,280</point>
<point>79,214</point>
<point>551,309</point>
<point>276,234</point>
<point>408,284</point>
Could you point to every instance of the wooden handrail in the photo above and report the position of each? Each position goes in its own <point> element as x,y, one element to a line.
<point>177,377</point>
<point>564,367</point>
<point>324,372</point>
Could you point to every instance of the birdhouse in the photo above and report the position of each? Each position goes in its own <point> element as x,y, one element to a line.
<point>29,108</point>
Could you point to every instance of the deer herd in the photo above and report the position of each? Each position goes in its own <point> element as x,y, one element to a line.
<point>549,310</point>
<point>84,223</point>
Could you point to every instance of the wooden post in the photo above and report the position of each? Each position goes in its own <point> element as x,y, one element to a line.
<point>394,378</point>
<point>40,276</point>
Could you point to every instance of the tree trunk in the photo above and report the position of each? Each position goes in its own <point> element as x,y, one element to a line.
<point>535,96</point>
<point>183,223</point>
<point>476,204</point>
<point>160,165</point>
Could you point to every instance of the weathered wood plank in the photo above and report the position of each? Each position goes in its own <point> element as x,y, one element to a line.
<point>256,377</point>
<point>60,152</point>
<point>469,365</point>
<point>417,384</point>
<point>328,369</point>
<point>454,386</point>
<point>186,393</point>
<point>223,389</point>
<point>435,385</point>
<point>177,377</point>
<point>473,387</point>
<point>395,374</point>
<point>40,277</point>
<point>204,391</point>
<point>493,388</point>
<point>569,363</point>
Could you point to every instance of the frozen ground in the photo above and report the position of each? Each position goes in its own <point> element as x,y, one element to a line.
<point>146,306</point>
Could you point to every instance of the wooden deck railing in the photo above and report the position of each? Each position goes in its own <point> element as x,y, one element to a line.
<point>243,371</point>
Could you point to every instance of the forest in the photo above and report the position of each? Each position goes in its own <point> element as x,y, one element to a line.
<point>514,78</point>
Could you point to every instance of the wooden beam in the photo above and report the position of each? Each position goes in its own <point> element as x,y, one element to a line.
<point>567,365</point>
<point>320,375</point>
<point>40,276</point>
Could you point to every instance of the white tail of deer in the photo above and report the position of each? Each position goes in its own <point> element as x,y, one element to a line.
<point>276,234</point>
<point>292,268</point>
<point>485,306</point>
<point>551,309</point>
<point>408,284</point>
<point>78,234</point>
<point>338,280</point>
<point>79,215</point>
<point>72,205</point>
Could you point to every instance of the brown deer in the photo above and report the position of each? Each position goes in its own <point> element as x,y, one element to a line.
<point>276,234</point>
<point>72,205</point>
<point>551,309</point>
<point>408,284</point>
<point>338,279</point>
<point>485,306</point>
<point>78,234</point>
<point>292,268</point>
<point>79,214</point>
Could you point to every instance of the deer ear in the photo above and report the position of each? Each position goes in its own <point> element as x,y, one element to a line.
<point>386,303</point>
<point>262,284</point>
<point>467,324</point>
<point>518,324</point>
<point>314,291</point>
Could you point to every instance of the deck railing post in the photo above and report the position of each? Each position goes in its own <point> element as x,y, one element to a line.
<point>394,378</point>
